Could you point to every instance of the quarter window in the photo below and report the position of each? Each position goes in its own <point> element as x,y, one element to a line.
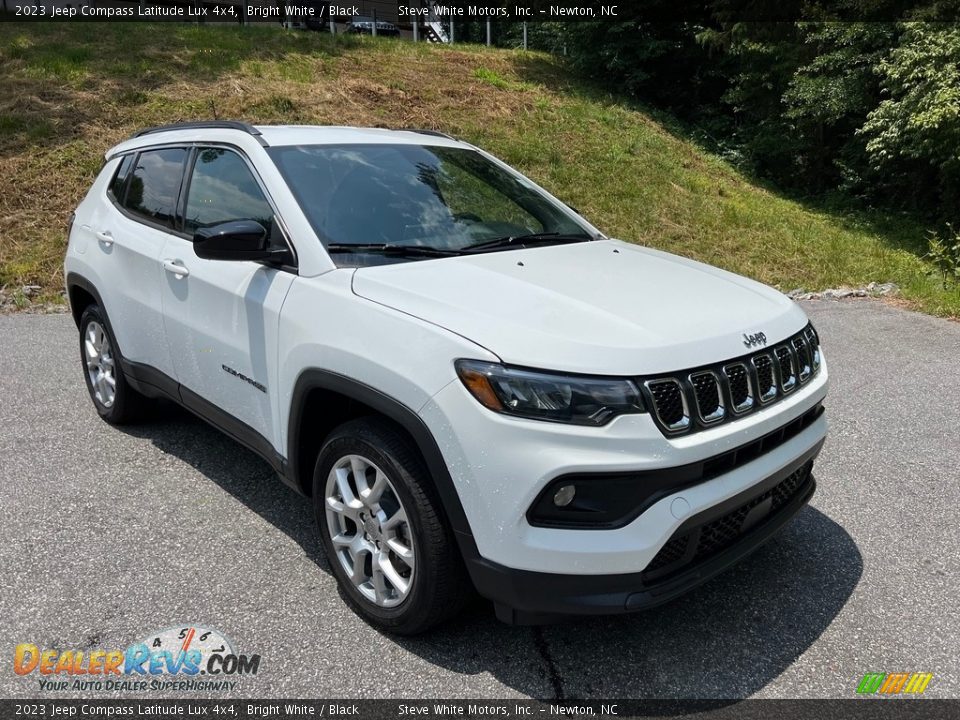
<point>120,179</point>
<point>223,189</point>
<point>155,185</point>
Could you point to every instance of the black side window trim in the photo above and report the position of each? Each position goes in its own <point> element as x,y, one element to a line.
<point>136,217</point>
<point>180,208</point>
<point>126,180</point>
<point>278,224</point>
<point>118,202</point>
<point>181,211</point>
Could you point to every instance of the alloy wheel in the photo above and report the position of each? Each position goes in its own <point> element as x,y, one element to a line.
<point>371,534</point>
<point>101,367</point>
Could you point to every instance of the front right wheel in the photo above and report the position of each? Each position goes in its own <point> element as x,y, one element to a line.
<point>383,529</point>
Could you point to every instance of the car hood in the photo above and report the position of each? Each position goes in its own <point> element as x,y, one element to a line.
<point>604,307</point>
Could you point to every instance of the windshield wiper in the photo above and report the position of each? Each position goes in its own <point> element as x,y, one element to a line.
<point>501,243</point>
<point>388,249</point>
<point>511,241</point>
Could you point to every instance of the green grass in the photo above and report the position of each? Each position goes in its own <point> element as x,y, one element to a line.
<point>72,90</point>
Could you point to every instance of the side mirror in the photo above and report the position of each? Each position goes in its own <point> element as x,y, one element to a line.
<point>234,240</point>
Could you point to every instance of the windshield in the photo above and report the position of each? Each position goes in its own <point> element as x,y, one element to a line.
<point>433,197</point>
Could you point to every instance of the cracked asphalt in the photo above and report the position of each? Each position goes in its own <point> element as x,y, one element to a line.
<point>109,534</point>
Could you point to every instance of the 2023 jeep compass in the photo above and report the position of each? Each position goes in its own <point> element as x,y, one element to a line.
<point>474,386</point>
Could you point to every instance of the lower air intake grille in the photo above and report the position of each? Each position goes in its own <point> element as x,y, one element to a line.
<point>720,533</point>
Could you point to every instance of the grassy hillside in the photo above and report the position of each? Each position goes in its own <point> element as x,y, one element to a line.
<point>71,91</point>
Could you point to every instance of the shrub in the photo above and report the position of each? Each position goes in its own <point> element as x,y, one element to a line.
<point>945,254</point>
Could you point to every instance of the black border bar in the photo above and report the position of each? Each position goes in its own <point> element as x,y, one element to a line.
<point>698,12</point>
<point>856,708</point>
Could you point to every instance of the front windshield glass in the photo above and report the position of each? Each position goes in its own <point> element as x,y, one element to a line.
<point>409,195</point>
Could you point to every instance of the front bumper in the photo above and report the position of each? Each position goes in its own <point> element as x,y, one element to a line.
<point>703,546</point>
<point>499,466</point>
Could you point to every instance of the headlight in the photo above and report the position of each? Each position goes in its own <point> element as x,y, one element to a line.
<point>579,400</point>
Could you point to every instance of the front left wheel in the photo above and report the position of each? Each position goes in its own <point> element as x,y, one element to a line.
<point>383,529</point>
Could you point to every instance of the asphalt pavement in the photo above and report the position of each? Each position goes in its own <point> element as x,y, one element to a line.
<point>108,534</point>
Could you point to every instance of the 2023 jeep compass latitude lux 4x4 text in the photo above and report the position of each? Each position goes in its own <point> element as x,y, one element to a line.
<point>473,385</point>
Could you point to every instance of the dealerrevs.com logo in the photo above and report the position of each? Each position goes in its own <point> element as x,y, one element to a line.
<point>183,658</point>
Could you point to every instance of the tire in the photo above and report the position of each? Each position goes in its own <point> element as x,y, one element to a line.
<point>401,512</point>
<point>99,354</point>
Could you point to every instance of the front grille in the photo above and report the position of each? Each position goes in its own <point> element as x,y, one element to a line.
<point>706,389</point>
<point>668,397</point>
<point>738,379</point>
<point>766,382</point>
<point>813,343</point>
<point>788,376</point>
<point>803,357</point>
<point>719,534</point>
<point>689,401</point>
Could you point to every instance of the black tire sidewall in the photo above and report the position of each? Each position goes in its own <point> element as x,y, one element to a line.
<point>116,412</point>
<point>416,605</point>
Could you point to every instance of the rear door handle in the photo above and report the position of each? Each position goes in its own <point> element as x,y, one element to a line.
<point>105,237</point>
<point>176,267</point>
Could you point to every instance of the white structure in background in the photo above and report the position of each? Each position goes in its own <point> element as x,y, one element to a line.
<point>436,32</point>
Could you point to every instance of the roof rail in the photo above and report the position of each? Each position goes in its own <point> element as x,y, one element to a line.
<point>205,125</point>
<point>422,131</point>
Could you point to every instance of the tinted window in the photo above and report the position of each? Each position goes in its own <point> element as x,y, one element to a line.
<point>120,178</point>
<point>155,184</point>
<point>222,189</point>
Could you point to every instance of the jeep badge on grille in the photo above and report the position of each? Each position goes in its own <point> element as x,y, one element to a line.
<point>755,339</point>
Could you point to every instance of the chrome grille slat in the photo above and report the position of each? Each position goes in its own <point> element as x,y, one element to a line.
<point>740,387</point>
<point>803,354</point>
<point>708,397</point>
<point>670,404</point>
<point>786,368</point>
<point>685,402</point>
<point>814,343</point>
<point>766,377</point>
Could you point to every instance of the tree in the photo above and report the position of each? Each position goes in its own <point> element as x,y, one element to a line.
<point>914,132</point>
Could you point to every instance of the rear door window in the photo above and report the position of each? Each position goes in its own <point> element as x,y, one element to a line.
<point>155,185</point>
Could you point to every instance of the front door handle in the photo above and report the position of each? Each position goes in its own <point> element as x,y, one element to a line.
<point>176,267</point>
<point>105,237</point>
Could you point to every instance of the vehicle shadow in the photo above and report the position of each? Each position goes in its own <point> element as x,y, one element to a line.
<point>723,641</point>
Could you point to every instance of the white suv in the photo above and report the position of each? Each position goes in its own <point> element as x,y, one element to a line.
<point>475,387</point>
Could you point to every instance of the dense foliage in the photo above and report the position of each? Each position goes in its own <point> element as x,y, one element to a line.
<point>870,108</point>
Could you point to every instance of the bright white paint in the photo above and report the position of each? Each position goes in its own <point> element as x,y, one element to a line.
<point>604,307</point>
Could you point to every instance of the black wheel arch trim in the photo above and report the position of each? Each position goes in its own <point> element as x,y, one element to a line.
<point>408,419</point>
<point>75,280</point>
<point>153,382</point>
